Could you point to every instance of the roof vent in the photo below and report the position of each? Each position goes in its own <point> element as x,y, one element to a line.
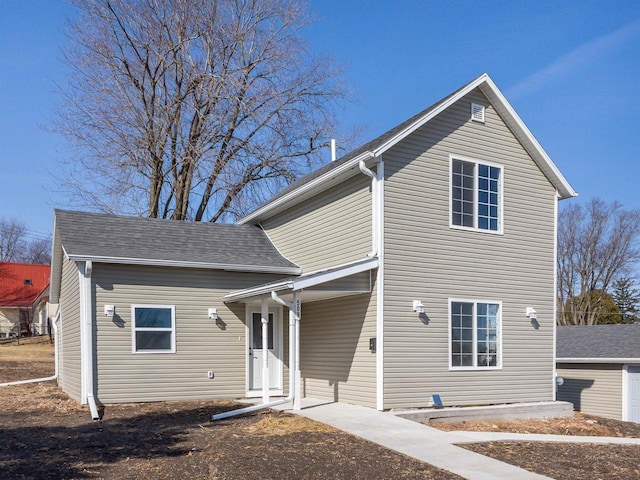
<point>477,112</point>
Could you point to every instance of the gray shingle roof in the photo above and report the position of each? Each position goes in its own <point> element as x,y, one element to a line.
<point>210,245</point>
<point>598,341</point>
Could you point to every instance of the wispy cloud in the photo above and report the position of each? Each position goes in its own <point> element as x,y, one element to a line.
<point>585,54</point>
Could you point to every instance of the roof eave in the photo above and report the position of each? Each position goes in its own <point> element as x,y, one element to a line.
<point>597,360</point>
<point>186,264</point>
<point>308,189</point>
<point>57,254</point>
<point>260,290</point>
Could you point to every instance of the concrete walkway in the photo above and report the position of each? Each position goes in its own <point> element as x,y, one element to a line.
<point>413,439</point>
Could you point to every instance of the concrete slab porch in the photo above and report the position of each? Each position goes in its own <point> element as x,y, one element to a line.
<point>490,412</point>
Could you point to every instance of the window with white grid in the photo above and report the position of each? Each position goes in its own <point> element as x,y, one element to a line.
<point>476,195</point>
<point>474,334</point>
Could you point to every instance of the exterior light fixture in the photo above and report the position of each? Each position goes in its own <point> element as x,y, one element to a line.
<point>213,313</point>
<point>418,307</point>
<point>109,310</point>
<point>531,313</point>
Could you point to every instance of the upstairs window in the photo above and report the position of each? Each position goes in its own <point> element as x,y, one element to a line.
<point>476,195</point>
<point>154,328</point>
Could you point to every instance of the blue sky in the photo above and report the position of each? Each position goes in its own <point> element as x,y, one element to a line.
<point>570,69</point>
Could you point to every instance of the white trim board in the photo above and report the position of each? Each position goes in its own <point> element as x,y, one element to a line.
<point>597,360</point>
<point>176,263</point>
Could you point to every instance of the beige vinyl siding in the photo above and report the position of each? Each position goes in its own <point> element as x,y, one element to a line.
<point>335,361</point>
<point>330,229</point>
<point>69,355</point>
<point>202,344</point>
<point>425,259</point>
<point>592,388</point>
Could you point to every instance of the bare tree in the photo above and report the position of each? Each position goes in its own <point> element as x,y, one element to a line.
<point>193,109</point>
<point>38,251</point>
<point>15,246</point>
<point>597,243</point>
<point>12,241</point>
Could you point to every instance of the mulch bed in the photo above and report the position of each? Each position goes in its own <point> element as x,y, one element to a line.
<point>564,461</point>
<point>561,460</point>
<point>45,435</point>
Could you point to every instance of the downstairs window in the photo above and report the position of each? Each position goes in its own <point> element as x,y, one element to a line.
<point>153,328</point>
<point>475,334</point>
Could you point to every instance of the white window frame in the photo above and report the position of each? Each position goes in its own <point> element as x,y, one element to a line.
<point>475,228</point>
<point>135,329</point>
<point>475,366</point>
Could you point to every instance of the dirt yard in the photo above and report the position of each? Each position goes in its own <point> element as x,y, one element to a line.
<point>561,461</point>
<point>44,435</point>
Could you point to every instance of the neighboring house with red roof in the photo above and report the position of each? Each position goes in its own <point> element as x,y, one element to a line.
<point>24,295</point>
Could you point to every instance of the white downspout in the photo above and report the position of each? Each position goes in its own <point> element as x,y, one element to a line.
<point>377,250</point>
<point>374,208</point>
<point>294,346</point>
<point>297,398</point>
<point>87,318</point>
<point>264,313</point>
<point>294,319</point>
<point>56,344</point>
<point>44,379</point>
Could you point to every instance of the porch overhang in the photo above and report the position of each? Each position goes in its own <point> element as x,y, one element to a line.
<point>349,279</point>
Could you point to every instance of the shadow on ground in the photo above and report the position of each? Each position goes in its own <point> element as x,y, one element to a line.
<point>72,447</point>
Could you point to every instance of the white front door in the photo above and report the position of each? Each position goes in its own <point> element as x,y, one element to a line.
<point>633,392</point>
<point>257,352</point>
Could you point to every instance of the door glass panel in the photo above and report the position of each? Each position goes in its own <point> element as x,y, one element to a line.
<point>257,331</point>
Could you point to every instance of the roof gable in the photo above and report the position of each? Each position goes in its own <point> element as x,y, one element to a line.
<point>14,292</point>
<point>372,151</point>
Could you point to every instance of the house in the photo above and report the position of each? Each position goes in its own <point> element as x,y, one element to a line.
<point>421,263</point>
<point>600,366</point>
<point>23,298</point>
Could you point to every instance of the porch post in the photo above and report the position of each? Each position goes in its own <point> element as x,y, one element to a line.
<point>297,404</point>
<point>264,312</point>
